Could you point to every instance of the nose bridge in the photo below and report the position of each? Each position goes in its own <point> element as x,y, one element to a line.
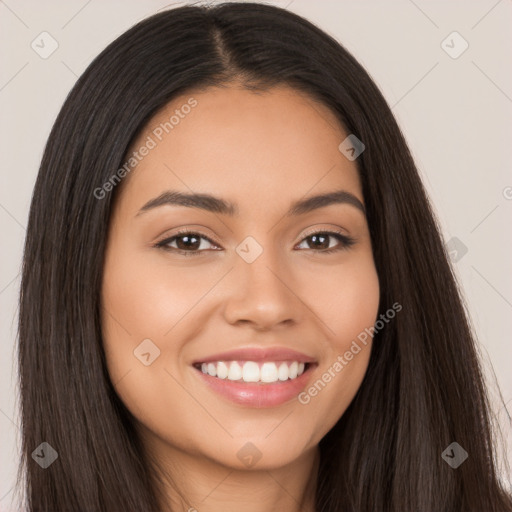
<point>260,268</point>
<point>261,289</point>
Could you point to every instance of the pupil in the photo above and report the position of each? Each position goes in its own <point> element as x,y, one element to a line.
<point>187,242</point>
<point>315,238</point>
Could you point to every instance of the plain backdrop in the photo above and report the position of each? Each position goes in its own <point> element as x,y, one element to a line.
<point>454,110</point>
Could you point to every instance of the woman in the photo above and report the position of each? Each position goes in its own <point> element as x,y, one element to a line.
<point>235,294</point>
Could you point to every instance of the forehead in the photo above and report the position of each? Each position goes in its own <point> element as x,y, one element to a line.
<point>246,146</point>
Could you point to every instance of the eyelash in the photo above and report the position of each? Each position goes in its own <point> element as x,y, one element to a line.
<point>346,242</point>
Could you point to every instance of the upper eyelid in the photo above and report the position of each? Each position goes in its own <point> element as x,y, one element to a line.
<point>315,231</point>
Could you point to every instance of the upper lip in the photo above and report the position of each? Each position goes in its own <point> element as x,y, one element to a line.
<point>258,354</point>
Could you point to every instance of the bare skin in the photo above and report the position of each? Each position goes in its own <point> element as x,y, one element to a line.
<point>261,151</point>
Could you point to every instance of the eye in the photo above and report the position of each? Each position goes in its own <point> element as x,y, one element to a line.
<point>188,243</point>
<point>320,241</point>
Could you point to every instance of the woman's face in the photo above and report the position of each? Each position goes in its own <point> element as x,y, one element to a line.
<point>250,286</point>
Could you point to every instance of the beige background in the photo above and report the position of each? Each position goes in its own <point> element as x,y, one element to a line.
<point>455,114</point>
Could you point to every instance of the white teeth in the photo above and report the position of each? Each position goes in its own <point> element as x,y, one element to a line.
<point>269,372</point>
<point>283,371</point>
<point>251,371</point>
<point>235,371</point>
<point>212,369</point>
<point>222,370</point>
<point>293,370</point>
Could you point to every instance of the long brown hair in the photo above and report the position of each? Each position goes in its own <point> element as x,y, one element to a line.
<point>423,389</point>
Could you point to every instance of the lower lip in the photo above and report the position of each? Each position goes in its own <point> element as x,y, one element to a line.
<point>258,395</point>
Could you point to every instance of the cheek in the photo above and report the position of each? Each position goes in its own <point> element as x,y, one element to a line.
<point>345,298</point>
<point>144,301</point>
<point>148,299</point>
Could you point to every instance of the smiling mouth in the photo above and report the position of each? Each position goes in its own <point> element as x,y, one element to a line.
<point>268,372</point>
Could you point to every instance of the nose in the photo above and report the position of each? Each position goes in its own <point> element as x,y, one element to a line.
<point>262,294</point>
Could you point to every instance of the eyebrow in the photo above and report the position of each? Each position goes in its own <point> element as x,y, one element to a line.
<point>214,204</point>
